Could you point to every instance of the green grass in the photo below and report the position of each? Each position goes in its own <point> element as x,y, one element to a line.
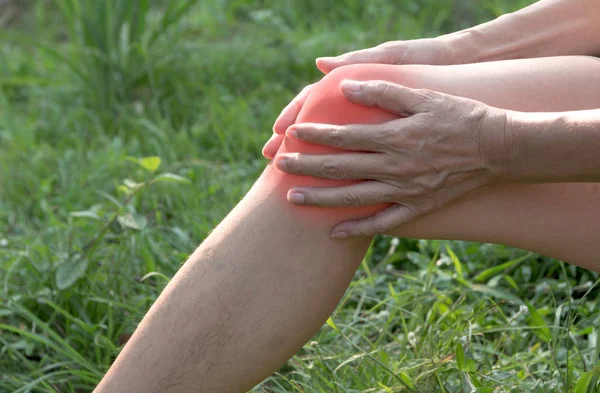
<point>90,233</point>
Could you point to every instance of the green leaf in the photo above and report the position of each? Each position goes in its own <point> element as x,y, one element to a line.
<point>455,261</point>
<point>85,214</point>
<point>332,324</point>
<point>583,383</point>
<point>170,177</point>
<point>496,292</point>
<point>150,163</point>
<point>406,379</point>
<point>536,320</point>
<point>491,272</point>
<point>131,183</point>
<point>388,390</point>
<point>92,213</point>
<point>68,273</point>
<point>417,258</point>
<point>133,221</point>
<point>467,385</point>
<point>154,274</point>
<point>511,282</point>
<point>460,356</point>
<point>471,366</point>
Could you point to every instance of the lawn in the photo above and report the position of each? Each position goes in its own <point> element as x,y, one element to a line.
<point>129,129</point>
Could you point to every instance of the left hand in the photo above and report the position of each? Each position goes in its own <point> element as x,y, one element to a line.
<point>443,148</point>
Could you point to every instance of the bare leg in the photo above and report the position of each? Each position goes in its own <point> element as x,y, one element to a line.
<point>559,220</point>
<point>268,276</point>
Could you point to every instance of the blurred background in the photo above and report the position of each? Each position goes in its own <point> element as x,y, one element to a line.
<point>129,128</point>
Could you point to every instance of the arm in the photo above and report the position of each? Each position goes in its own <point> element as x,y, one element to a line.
<point>553,147</point>
<point>555,219</point>
<point>546,28</point>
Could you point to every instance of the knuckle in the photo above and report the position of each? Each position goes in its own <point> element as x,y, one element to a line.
<point>388,45</point>
<point>375,196</point>
<point>335,138</point>
<point>383,88</point>
<point>298,165</point>
<point>388,131</point>
<point>351,199</point>
<point>429,206</point>
<point>389,163</point>
<point>427,99</point>
<point>379,88</point>
<point>331,170</point>
<point>379,228</point>
<point>383,136</point>
<point>391,195</point>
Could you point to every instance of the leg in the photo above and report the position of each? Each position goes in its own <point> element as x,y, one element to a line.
<point>558,220</point>
<point>252,294</point>
<point>265,280</point>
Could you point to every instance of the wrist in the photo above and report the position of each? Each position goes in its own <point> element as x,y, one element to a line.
<point>532,143</point>
<point>461,47</point>
<point>498,146</point>
<point>492,41</point>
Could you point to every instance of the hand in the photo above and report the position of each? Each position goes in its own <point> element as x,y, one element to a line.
<point>443,148</point>
<point>434,51</point>
<point>286,118</point>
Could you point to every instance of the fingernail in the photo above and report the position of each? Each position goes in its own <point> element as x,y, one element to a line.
<point>291,133</point>
<point>296,197</point>
<point>281,162</point>
<point>339,235</point>
<point>275,124</point>
<point>351,86</point>
<point>325,58</point>
<point>281,121</point>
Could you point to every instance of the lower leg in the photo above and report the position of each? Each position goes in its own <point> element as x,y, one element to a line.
<point>252,294</point>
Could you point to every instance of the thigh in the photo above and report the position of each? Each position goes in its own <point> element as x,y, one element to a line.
<point>551,84</point>
<point>553,219</point>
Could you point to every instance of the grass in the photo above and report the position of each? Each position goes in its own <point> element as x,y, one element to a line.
<point>130,128</point>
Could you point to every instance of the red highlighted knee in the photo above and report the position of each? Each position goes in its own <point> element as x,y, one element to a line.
<point>326,104</point>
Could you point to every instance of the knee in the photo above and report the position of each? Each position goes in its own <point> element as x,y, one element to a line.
<point>327,104</point>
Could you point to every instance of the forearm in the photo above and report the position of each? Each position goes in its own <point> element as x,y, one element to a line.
<point>557,219</point>
<point>546,28</point>
<point>552,147</point>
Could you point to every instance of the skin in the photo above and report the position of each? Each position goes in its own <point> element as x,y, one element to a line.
<point>218,327</point>
<point>419,163</point>
<point>447,147</point>
<point>265,280</point>
<point>544,29</point>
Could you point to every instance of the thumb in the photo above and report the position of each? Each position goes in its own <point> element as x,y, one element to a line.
<point>370,55</point>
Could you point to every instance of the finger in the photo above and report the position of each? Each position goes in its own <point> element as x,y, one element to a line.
<point>348,137</point>
<point>288,116</point>
<point>370,55</point>
<point>361,194</point>
<point>382,222</point>
<point>390,97</point>
<point>272,145</point>
<point>351,166</point>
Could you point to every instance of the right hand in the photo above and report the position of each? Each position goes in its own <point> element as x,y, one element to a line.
<point>433,51</point>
